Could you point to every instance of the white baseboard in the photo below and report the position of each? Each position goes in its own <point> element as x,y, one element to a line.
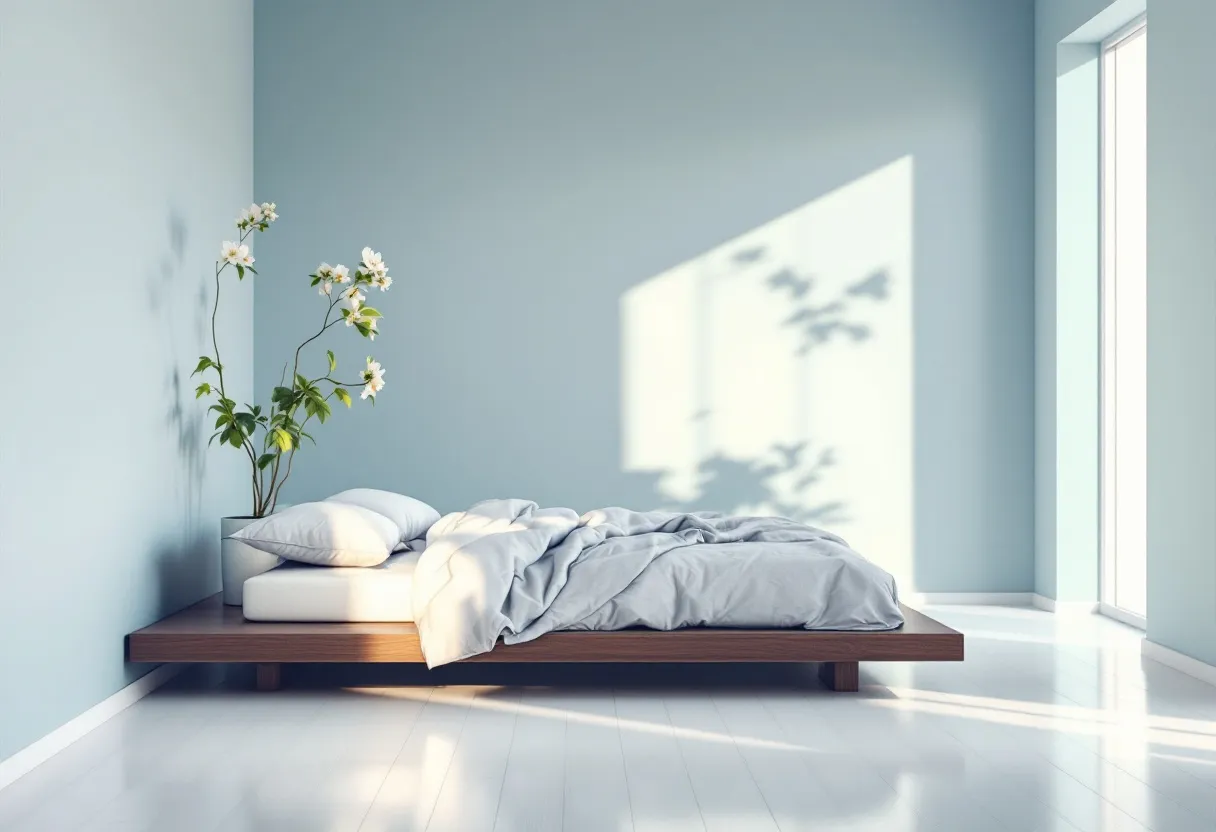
<point>38,752</point>
<point>1064,607</point>
<point>985,599</point>
<point>1178,661</point>
<point>1123,616</point>
<point>1003,599</point>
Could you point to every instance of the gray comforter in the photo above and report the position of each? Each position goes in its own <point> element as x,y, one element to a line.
<point>509,568</point>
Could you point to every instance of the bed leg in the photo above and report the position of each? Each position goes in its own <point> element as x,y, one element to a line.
<point>269,676</point>
<point>841,676</point>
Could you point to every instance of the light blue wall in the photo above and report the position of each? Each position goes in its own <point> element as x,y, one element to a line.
<point>1067,291</point>
<point>1182,328</point>
<point>125,151</point>
<point>523,165</point>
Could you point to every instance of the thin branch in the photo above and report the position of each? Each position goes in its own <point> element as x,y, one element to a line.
<point>246,445</point>
<point>274,497</point>
<point>276,484</point>
<point>326,325</point>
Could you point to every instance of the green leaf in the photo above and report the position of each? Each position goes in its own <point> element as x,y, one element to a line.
<point>235,438</point>
<point>282,438</point>
<point>370,312</point>
<point>333,362</point>
<point>315,280</point>
<point>213,438</point>
<point>264,460</point>
<point>342,395</point>
<point>223,420</point>
<point>281,394</point>
<point>203,363</point>
<point>240,272</point>
<point>308,436</point>
<point>301,382</point>
<point>251,268</point>
<point>202,390</point>
<point>323,410</point>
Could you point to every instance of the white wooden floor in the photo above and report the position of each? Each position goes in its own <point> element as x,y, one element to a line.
<point>1051,724</point>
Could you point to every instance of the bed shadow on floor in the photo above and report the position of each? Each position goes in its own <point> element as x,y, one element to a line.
<point>723,677</point>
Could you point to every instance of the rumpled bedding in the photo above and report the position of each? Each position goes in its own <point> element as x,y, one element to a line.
<point>510,569</point>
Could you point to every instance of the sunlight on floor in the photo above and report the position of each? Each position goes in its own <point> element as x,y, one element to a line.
<point>1181,758</point>
<point>1120,726</point>
<point>1122,718</point>
<point>602,721</point>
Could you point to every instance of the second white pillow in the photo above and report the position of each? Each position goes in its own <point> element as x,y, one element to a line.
<point>325,534</point>
<point>413,517</point>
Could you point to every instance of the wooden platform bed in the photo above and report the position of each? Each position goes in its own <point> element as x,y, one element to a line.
<point>211,632</point>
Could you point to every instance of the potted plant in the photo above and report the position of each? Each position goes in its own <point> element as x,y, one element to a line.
<point>270,437</point>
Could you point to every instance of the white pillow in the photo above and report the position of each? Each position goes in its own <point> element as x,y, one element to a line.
<point>413,517</point>
<point>324,534</point>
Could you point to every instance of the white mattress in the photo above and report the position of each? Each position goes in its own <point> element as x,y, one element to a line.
<point>295,592</point>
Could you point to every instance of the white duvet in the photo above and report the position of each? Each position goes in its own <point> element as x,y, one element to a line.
<point>507,568</point>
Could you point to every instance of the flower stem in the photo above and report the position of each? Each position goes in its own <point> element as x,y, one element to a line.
<point>215,344</point>
<point>270,496</point>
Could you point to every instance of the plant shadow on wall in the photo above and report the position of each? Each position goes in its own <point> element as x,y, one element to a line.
<point>781,480</point>
<point>184,568</point>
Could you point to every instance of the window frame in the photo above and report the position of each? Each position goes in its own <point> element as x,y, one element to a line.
<point>1136,28</point>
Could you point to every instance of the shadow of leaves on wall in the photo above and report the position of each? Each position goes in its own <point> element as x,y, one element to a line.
<point>820,323</point>
<point>734,483</point>
<point>185,419</point>
<point>176,293</point>
<point>784,479</point>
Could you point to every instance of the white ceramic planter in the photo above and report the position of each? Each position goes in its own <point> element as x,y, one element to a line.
<point>239,561</point>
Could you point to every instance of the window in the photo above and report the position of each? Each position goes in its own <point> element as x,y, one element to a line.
<point>1124,74</point>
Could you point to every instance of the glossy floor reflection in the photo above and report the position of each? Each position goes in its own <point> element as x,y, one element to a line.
<point>1052,723</point>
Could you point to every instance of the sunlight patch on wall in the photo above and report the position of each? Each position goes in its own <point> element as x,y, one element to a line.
<point>773,374</point>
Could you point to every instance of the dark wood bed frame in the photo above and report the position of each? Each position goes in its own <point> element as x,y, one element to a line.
<point>212,632</point>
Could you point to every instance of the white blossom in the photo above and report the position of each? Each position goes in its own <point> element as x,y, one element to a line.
<point>371,325</point>
<point>326,287</point>
<point>341,274</point>
<point>355,297</point>
<point>372,262</point>
<point>235,253</point>
<point>373,379</point>
<point>325,271</point>
<point>268,213</point>
<point>250,217</point>
<point>382,282</point>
